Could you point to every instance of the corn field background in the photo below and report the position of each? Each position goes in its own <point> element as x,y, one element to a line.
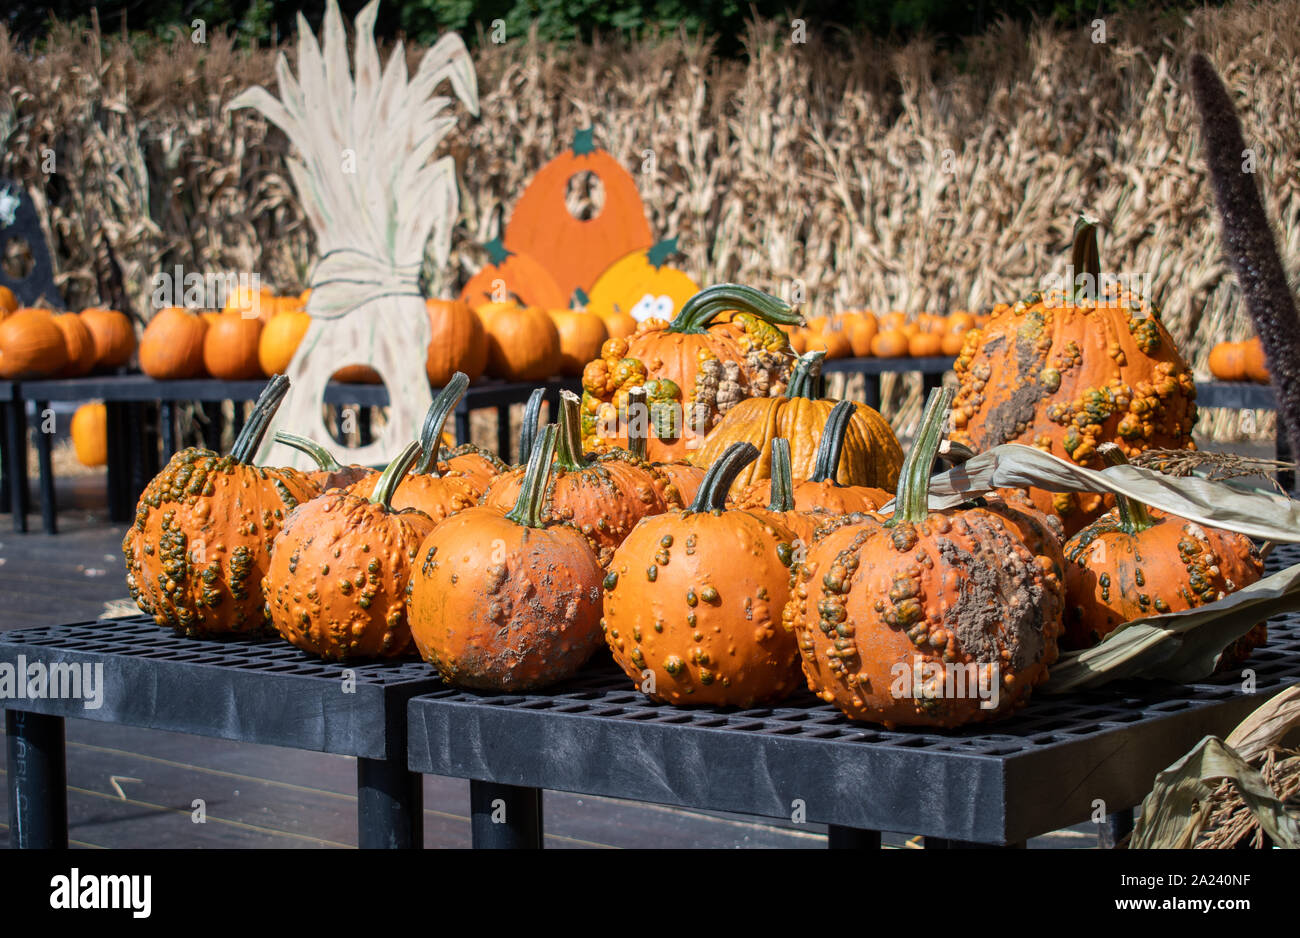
<point>876,176</point>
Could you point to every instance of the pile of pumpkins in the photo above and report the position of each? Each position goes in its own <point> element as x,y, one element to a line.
<point>795,547</point>
<point>1239,361</point>
<point>40,343</point>
<point>864,334</point>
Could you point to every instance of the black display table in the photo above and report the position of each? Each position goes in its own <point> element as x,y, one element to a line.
<point>258,691</point>
<point>1054,765</point>
<point>134,456</point>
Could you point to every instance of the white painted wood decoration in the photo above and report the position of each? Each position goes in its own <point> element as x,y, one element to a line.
<point>363,174</point>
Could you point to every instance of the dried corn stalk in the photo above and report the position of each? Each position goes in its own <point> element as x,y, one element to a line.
<point>363,175</point>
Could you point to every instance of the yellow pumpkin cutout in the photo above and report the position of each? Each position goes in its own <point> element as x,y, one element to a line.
<point>643,286</point>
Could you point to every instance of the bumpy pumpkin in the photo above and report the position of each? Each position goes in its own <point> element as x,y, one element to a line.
<point>781,506</point>
<point>340,566</point>
<point>437,490</point>
<point>330,474</point>
<point>172,345</point>
<point>509,274</point>
<point>507,602</point>
<point>821,490</point>
<point>1135,561</point>
<point>201,540</point>
<point>576,251</point>
<point>642,285</point>
<point>694,369</point>
<point>695,596</point>
<point>604,498</point>
<point>483,465</point>
<point>1065,373</point>
<point>871,454</point>
<point>928,618</point>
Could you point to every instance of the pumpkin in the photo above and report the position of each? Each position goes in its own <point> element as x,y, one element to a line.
<point>483,465</point>
<point>172,345</point>
<point>31,345</point>
<point>1228,361</point>
<point>507,602</point>
<point>279,340</point>
<point>577,251</point>
<point>925,345</point>
<point>951,343</point>
<point>201,540</point>
<point>890,343</point>
<point>821,490</point>
<point>340,566</point>
<point>1256,366</point>
<point>113,336</point>
<point>90,434</point>
<point>694,597</point>
<point>861,330</point>
<point>682,476</point>
<point>831,341</point>
<point>781,505</point>
<point>437,490</point>
<point>260,303</point>
<point>1065,373</point>
<point>581,336</point>
<point>357,374</point>
<point>1135,561</point>
<point>330,474</point>
<point>642,285</point>
<point>78,342</point>
<point>8,302</point>
<point>928,618</point>
<point>457,341</point>
<point>230,347</point>
<point>871,453</point>
<point>694,370</point>
<point>523,343</point>
<point>511,275</point>
<point>604,498</point>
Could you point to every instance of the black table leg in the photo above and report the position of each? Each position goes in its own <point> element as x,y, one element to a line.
<point>211,427</point>
<point>237,417</point>
<point>930,381</point>
<point>390,805</point>
<point>462,424</point>
<point>5,492</point>
<point>503,433</point>
<point>167,429</point>
<point>851,838</point>
<point>16,447</point>
<point>1121,825</point>
<point>45,470</point>
<point>871,391</point>
<point>365,434</point>
<point>38,781</point>
<point>505,817</point>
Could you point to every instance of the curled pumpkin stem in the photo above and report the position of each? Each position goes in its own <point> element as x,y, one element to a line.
<point>528,507</point>
<point>323,458</point>
<point>569,453</point>
<point>697,313</point>
<point>782,477</point>
<point>712,495</point>
<point>393,475</point>
<point>912,503</point>
<point>434,419</point>
<point>826,465</point>
<point>806,377</point>
<point>268,402</point>
<point>638,422</point>
<point>1134,517</point>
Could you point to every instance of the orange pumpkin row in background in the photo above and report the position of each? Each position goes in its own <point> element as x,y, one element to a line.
<point>39,343</point>
<point>864,334</point>
<point>1239,361</point>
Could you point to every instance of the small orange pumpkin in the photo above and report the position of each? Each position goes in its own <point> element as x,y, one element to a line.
<point>31,345</point>
<point>457,341</point>
<point>114,337</point>
<point>230,347</point>
<point>581,336</point>
<point>523,343</point>
<point>889,343</point>
<point>80,345</point>
<point>279,340</point>
<point>90,434</point>
<point>172,346</point>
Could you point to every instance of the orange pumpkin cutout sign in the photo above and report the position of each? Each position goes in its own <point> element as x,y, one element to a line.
<point>643,285</point>
<point>577,251</point>
<point>510,274</point>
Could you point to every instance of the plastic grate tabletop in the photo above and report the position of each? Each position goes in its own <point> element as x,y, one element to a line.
<point>260,690</point>
<point>999,783</point>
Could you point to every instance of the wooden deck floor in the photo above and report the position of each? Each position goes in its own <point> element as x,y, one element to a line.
<point>134,788</point>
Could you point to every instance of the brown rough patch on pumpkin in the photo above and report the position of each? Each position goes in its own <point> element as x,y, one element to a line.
<point>997,607</point>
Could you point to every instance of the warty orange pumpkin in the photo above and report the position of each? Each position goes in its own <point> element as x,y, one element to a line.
<point>329,474</point>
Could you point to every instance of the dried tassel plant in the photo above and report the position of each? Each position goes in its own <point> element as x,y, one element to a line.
<point>363,174</point>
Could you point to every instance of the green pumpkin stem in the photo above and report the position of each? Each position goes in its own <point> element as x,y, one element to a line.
<point>268,402</point>
<point>638,426</point>
<point>826,465</point>
<point>1085,257</point>
<point>323,458</point>
<point>431,433</point>
<point>1134,517</point>
<point>712,495</point>
<point>805,377</point>
<point>697,313</point>
<point>528,507</point>
<point>394,473</point>
<point>568,452</point>
<point>782,477</point>
<point>528,429</point>
<point>912,503</point>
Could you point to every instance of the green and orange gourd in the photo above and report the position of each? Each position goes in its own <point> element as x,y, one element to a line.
<point>201,540</point>
<point>340,566</point>
<point>507,601</point>
<point>928,618</point>
<point>694,599</point>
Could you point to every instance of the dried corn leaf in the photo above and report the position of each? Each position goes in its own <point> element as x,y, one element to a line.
<point>1265,728</point>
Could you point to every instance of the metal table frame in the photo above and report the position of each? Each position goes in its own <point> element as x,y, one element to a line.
<point>253,690</point>
<point>994,785</point>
